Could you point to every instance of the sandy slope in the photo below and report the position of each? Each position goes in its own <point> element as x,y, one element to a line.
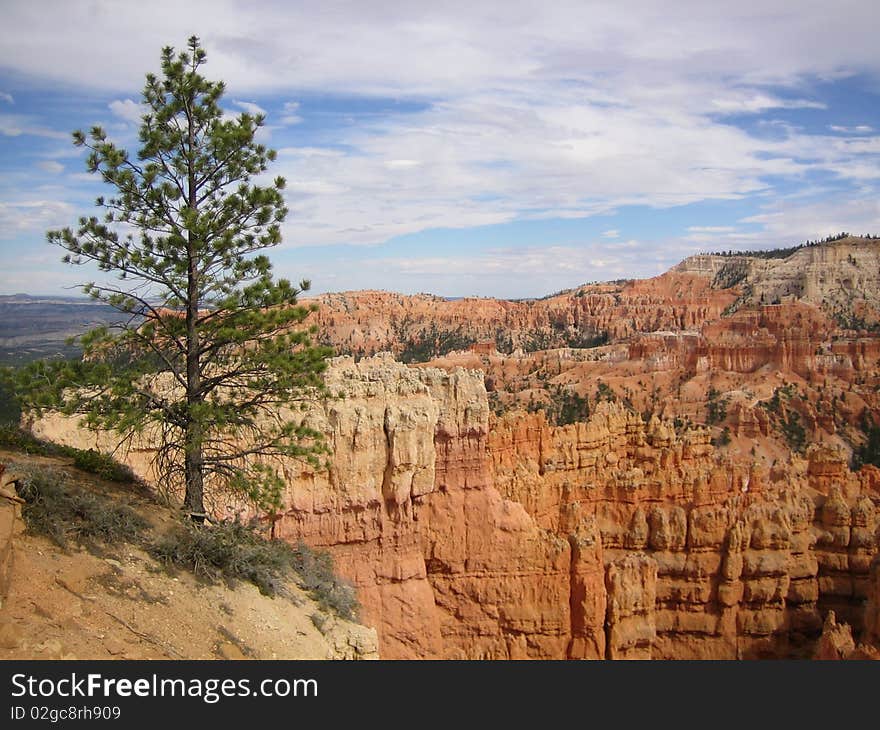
<point>123,605</point>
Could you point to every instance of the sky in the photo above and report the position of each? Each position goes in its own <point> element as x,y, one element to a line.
<point>497,148</point>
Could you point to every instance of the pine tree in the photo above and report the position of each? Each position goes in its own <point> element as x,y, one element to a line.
<point>213,358</point>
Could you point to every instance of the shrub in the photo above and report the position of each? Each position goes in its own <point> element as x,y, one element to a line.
<point>43,495</point>
<point>232,551</point>
<point>428,344</point>
<point>316,571</point>
<point>716,407</point>
<point>94,462</point>
<point>14,438</point>
<point>730,274</point>
<point>566,406</point>
<point>102,465</point>
<point>794,432</point>
<point>605,392</point>
<point>869,451</point>
<point>226,551</point>
<point>60,511</point>
<point>723,439</point>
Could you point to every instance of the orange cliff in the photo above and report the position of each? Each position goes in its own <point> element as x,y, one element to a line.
<point>744,358</point>
<point>365,322</point>
<point>702,558</point>
<point>471,536</point>
<point>444,566</point>
<point>840,278</point>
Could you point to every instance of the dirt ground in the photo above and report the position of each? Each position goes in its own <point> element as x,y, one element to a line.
<point>116,602</point>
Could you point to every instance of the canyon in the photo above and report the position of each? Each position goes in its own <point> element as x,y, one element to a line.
<point>658,469</point>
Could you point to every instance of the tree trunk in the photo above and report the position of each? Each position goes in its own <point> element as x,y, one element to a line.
<point>194,502</point>
<point>193,464</point>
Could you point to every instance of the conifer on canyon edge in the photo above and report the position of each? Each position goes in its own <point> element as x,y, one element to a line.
<point>212,356</point>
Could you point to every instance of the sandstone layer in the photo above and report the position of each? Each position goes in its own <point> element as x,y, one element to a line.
<point>471,536</point>
<point>421,326</point>
<point>842,277</point>
<point>670,468</point>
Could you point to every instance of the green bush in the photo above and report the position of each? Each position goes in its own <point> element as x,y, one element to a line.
<point>232,551</point>
<point>716,407</point>
<point>94,462</point>
<point>723,439</point>
<point>10,410</point>
<point>604,392</point>
<point>317,574</point>
<point>428,344</point>
<point>869,451</point>
<point>794,432</point>
<point>14,438</point>
<point>100,464</point>
<point>60,511</point>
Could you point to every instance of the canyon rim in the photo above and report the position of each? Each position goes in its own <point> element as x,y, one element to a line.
<point>670,468</point>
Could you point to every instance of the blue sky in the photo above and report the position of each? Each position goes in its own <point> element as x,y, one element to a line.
<point>484,148</point>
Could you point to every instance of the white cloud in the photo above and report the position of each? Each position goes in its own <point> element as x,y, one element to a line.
<point>51,166</point>
<point>756,103</point>
<point>66,152</point>
<point>795,221</point>
<point>498,158</point>
<point>249,107</point>
<point>631,243</point>
<point>612,233</point>
<point>290,113</point>
<point>32,215</point>
<point>576,264</point>
<point>127,110</point>
<point>15,125</point>
<point>528,110</point>
<point>507,272</point>
<point>395,47</point>
<point>401,164</point>
<point>85,177</point>
<point>6,97</point>
<point>314,187</point>
<point>858,129</point>
<point>309,152</point>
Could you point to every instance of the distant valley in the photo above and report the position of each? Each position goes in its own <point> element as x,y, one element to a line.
<point>35,327</point>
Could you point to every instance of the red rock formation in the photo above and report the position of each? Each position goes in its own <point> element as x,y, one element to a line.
<point>836,641</point>
<point>474,537</point>
<point>369,321</point>
<point>478,532</point>
<point>734,560</point>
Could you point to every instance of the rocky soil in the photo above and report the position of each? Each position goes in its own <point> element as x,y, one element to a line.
<point>121,604</point>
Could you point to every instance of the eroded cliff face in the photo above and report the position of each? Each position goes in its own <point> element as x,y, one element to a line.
<point>418,327</point>
<point>703,558</point>
<point>471,536</point>
<point>842,277</point>
<point>444,565</point>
